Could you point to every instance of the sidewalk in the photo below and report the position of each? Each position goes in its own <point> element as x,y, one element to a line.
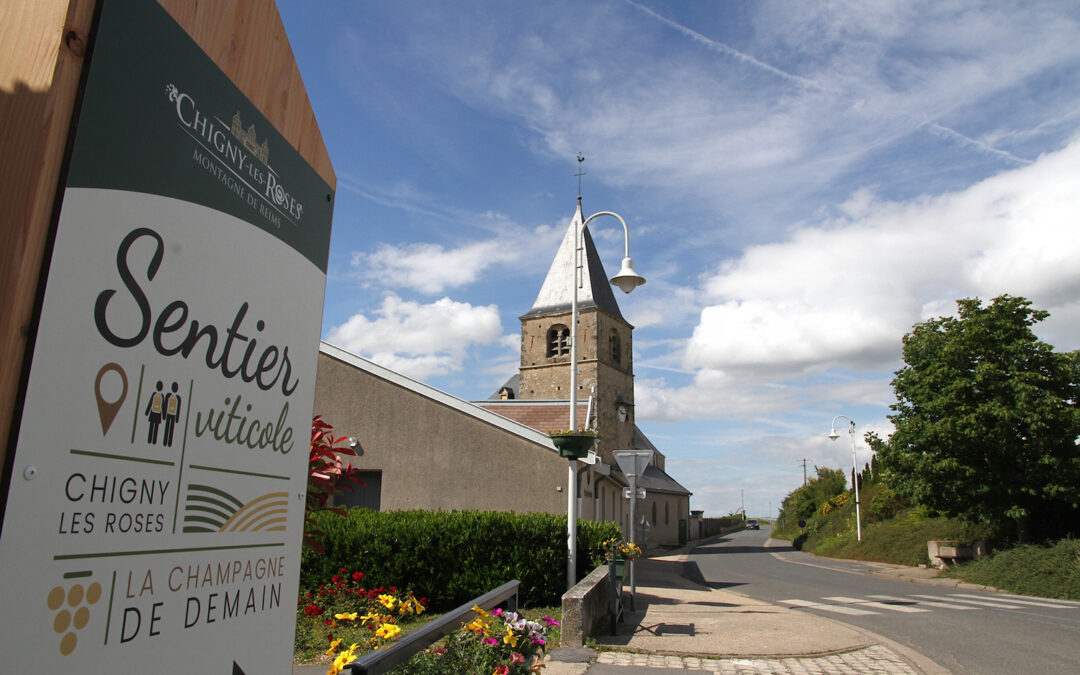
<point>681,625</point>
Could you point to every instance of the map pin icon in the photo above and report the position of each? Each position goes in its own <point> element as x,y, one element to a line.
<point>107,409</point>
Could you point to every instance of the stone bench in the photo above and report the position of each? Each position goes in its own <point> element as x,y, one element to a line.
<point>944,553</point>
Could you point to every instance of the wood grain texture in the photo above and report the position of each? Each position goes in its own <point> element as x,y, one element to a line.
<point>42,49</point>
<point>247,40</point>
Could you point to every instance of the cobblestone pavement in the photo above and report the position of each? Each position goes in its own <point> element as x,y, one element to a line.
<point>875,659</point>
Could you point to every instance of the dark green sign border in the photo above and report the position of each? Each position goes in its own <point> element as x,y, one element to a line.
<point>157,118</point>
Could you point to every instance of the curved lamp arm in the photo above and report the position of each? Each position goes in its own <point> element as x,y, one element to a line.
<point>851,430</point>
<point>627,279</point>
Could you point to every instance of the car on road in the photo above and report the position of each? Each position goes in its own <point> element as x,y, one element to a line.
<point>752,525</point>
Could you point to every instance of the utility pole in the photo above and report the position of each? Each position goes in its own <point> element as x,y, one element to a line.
<point>804,460</point>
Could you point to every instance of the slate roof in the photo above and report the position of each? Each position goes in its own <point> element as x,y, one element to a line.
<point>556,294</point>
<point>655,479</point>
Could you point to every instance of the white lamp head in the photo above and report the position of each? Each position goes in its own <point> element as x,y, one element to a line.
<point>627,279</point>
<point>833,435</point>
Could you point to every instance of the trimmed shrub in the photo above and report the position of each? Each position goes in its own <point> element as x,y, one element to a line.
<point>452,557</point>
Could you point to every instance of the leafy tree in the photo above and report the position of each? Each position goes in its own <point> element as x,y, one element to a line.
<point>987,420</point>
<point>804,502</point>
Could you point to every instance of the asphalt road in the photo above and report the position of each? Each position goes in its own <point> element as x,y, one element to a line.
<point>965,631</point>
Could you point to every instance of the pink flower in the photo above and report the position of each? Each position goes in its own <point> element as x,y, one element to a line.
<point>516,658</point>
<point>490,641</point>
<point>551,623</point>
<point>502,670</point>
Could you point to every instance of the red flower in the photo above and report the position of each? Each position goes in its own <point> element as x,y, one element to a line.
<point>357,576</point>
<point>502,670</point>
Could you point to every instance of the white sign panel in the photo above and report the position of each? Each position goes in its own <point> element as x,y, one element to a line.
<point>154,516</point>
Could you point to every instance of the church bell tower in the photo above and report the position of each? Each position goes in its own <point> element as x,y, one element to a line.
<point>605,349</point>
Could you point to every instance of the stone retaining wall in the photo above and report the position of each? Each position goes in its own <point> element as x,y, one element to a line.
<point>585,608</point>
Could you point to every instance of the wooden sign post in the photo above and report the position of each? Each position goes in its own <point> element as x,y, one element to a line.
<point>157,433</point>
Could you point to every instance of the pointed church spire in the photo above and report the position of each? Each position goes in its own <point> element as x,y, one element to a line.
<point>557,291</point>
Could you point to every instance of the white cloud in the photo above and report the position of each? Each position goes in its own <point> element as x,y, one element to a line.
<point>419,340</point>
<point>431,268</point>
<point>843,293</point>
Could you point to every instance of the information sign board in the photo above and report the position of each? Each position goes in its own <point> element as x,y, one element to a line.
<point>153,520</point>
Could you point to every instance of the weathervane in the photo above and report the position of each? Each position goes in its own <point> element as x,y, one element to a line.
<point>580,173</point>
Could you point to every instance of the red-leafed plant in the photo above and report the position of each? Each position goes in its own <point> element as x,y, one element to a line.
<point>327,476</point>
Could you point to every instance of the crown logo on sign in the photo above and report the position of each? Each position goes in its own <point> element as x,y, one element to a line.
<point>249,139</point>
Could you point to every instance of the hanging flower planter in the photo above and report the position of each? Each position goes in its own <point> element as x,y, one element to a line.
<point>573,446</point>
<point>618,570</point>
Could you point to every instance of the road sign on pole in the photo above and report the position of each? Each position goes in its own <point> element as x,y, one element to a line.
<point>640,493</point>
<point>633,464</point>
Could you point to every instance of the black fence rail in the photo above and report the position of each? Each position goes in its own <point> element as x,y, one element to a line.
<point>384,660</point>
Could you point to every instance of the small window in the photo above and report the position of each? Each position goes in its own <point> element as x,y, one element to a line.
<point>654,512</point>
<point>667,512</point>
<point>558,341</point>
<point>615,347</point>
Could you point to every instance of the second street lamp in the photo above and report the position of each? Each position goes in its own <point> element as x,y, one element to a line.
<point>854,468</point>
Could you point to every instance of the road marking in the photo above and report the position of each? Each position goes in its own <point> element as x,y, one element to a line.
<point>836,609</point>
<point>928,603</point>
<point>876,605</point>
<point>1046,603</point>
<point>982,603</point>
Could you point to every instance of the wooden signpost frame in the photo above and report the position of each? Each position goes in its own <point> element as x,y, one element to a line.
<point>46,44</point>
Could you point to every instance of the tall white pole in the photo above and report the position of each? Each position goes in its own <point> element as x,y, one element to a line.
<point>855,480</point>
<point>854,467</point>
<point>571,497</point>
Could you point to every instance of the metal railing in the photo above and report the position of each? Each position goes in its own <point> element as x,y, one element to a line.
<point>383,660</point>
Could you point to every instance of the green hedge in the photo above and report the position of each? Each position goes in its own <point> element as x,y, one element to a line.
<point>452,557</point>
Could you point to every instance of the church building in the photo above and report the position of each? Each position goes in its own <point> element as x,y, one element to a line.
<point>422,448</point>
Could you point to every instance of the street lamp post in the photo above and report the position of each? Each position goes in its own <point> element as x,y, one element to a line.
<point>627,280</point>
<point>854,468</point>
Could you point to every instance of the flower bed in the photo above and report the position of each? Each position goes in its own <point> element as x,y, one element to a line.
<point>497,642</point>
<point>344,612</point>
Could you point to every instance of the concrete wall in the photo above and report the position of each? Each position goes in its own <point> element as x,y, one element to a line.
<point>431,455</point>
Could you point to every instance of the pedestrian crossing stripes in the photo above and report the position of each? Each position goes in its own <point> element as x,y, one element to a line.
<point>917,603</point>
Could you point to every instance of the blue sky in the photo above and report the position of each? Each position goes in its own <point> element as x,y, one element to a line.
<point>802,181</point>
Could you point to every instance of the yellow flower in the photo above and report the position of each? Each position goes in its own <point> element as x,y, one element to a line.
<point>482,612</point>
<point>370,616</point>
<point>346,617</point>
<point>388,631</point>
<point>387,601</point>
<point>510,638</point>
<point>333,646</point>
<point>343,659</point>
